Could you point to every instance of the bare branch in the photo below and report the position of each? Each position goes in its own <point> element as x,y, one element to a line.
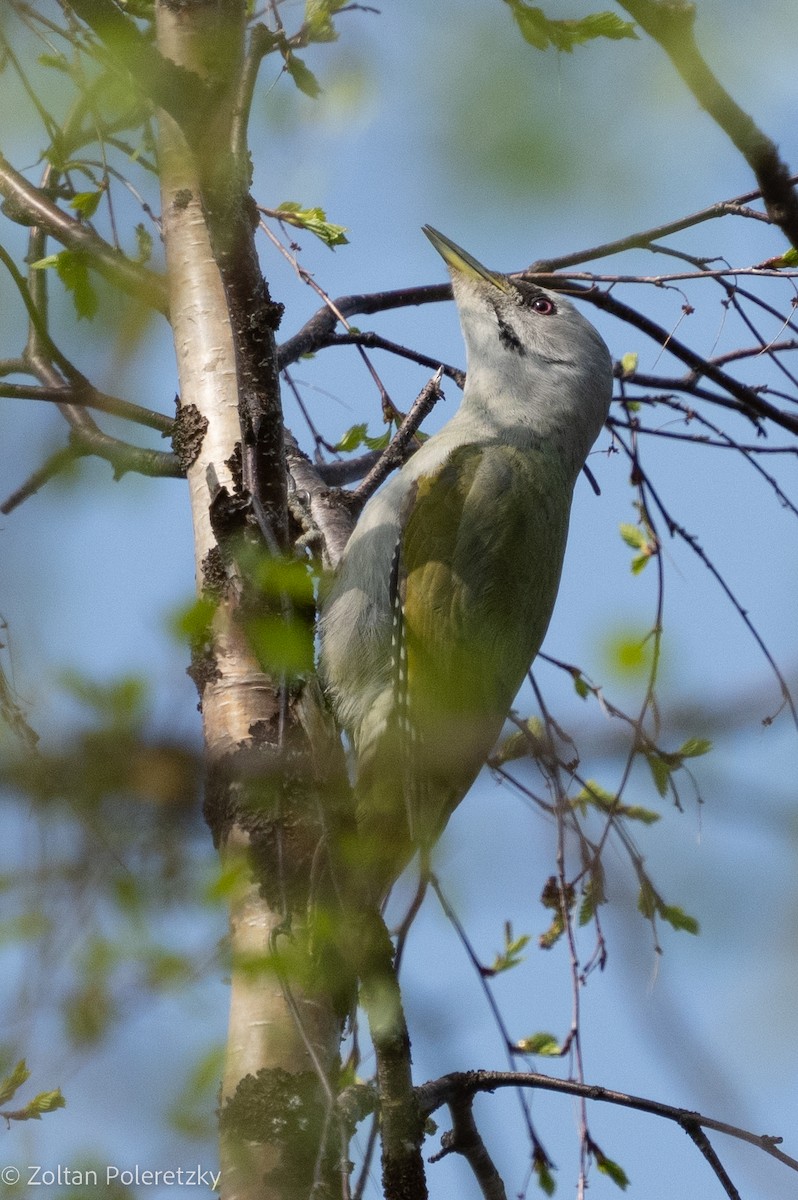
<point>314,333</point>
<point>464,1138</point>
<point>672,26</point>
<point>643,239</point>
<point>441,1091</point>
<point>400,449</point>
<point>90,398</point>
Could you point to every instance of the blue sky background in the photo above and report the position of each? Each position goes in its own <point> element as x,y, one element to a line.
<point>442,114</point>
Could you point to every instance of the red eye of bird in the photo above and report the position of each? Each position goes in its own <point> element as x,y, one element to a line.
<point>543,305</point>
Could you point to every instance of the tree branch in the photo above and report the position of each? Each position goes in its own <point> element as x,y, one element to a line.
<point>399,449</point>
<point>465,1138</point>
<point>464,1083</point>
<point>642,240</point>
<point>672,26</point>
<point>314,333</point>
<point>89,397</point>
<point>26,205</point>
<point>188,98</point>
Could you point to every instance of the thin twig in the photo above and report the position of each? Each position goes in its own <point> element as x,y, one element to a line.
<point>439,1091</point>
<point>399,449</point>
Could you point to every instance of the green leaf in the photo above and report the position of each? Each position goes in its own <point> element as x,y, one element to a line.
<point>788,259</point>
<point>695,747</point>
<point>629,362</point>
<point>315,221</point>
<point>595,796</point>
<point>57,62</point>
<point>541,1165</point>
<point>593,894</point>
<point>120,703</point>
<point>611,1169</point>
<point>352,439</point>
<point>660,771</point>
<point>521,743</point>
<point>86,203</point>
<point>543,32</point>
<point>650,904</point>
<point>302,76</point>
<point>44,1102</point>
<point>581,687</point>
<point>511,956</point>
<point>380,442</point>
<point>277,578</point>
<point>73,271</point>
<point>194,621</point>
<point>629,653</point>
<point>678,918</point>
<point>544,1044</point>
<point>12,1082</point>
<point>282,646</point>
<point>642,540</point>
<point>647,900</point>
<point>633,536</point>
<point>318,19</point>
<point>143,244</point>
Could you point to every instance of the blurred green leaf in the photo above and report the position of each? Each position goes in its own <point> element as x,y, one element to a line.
<point>541,1166</point>
<point>352,439</point>
<point>302,76</point>
<point>87,203</point>
<point>122,703</point>
<point>581,686</point>
<point>544,1044</point>
<point>628,653</point>
<point>593,795</point>
<point>315,221</point>
<point>660,771</point>
<point>143,244</point>
<point>695,747</point>
<point>678,918</point>
<point>633,536</point>
<point>283,646</point>
<point>195,620</point>
<point>72,269</point>
<point>651,904</point>
<point>609,1168</point>
<point>42,1103</point>
<point>543,32</point>
<point>511,955</point>
<point>318,19</point>
<point>12,1082</point>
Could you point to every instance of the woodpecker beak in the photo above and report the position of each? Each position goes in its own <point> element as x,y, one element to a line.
<point>460,260</point>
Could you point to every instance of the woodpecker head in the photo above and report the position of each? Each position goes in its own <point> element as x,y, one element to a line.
<point>529,350</point>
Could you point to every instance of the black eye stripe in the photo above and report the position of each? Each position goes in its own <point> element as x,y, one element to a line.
<point>507,335</point>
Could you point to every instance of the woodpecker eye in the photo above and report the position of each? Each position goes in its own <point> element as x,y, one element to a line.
<point>544,306</point>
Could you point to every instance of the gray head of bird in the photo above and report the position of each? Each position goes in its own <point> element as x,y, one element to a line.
<point>534,362</point>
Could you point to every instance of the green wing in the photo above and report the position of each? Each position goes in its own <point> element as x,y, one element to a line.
<point>477,574</point>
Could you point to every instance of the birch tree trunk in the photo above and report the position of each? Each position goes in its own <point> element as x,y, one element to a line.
<point>262,796</point>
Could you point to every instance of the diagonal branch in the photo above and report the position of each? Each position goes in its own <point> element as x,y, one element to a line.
<point>672,26</point>
<point>463,1083</point>
<point>27,205</point>
<point>187,98</point>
